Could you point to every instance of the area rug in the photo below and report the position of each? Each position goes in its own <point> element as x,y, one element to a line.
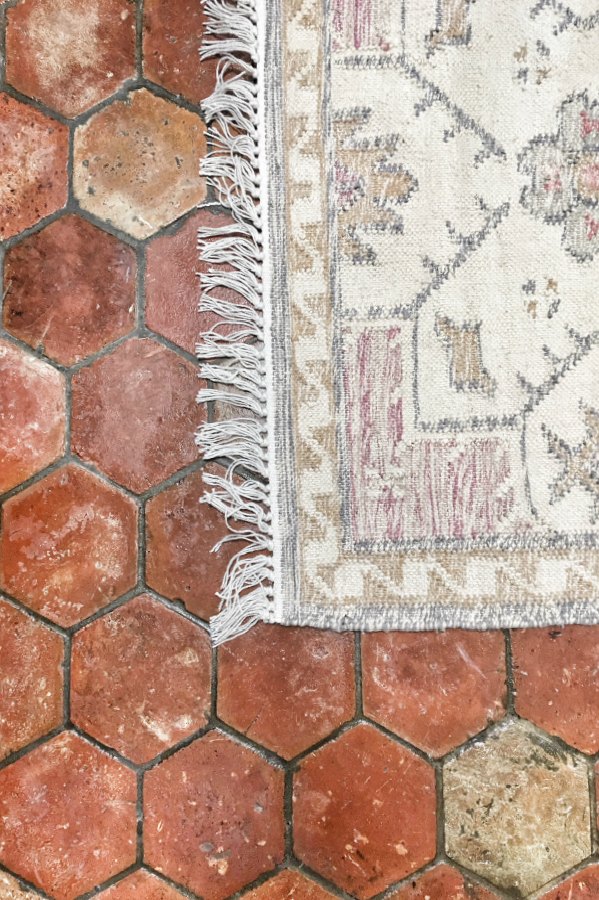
<point>405,311</point>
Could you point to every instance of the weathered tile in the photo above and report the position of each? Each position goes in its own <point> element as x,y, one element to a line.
<point>173,31</point>
<point>69,289</point>
<point>32,415</point>
<point>289,885</point>
<point>582,886</point>
<point>173,284</point>
<point>33,178</point>
<point>141,885</point>
<point>136,163</point>
<point>435,690</point>
<point>355,805</point>
<point>517,809</point>
<point>443,883</point>
<point>214,816</point>
<point>70,54</point>
<point>10,889</point>
<point>31,659</point>
<point>140,679</point>
<point>287,688</point>
<point>67,816</point>
<point>555,674</point>
<point>134,413</point>
<point>68,545</point>
<point>181,533</point>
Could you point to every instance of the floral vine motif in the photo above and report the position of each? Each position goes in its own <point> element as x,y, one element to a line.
<point>564,176</point>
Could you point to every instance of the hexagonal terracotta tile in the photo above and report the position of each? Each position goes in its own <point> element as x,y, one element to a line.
<point>67,816</point>
<point>355,805</point>
<point>173,285</point>
<point>69,289</point>
<point>140,678</point>
<point>68,545</point>
<point>213,816</point>
<point>172,34</point>
<point>181,533</point>
<point>10,889</point>
<point>136,163</point>
<point>443,883</point>
<point>287,688</point>
<point>555,674</point>
<point>517,809</point>
<point>582,886</point>
<point>34,153</point>
<point>134,413</point>
<point>69,54</point>
<point>31,658</point>
<point>141,885</point>
<point>32,415</point>
<point>289,885</point>
<point>435,690</point>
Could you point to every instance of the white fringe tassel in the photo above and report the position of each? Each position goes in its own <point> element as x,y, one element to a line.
<point>233,351</point>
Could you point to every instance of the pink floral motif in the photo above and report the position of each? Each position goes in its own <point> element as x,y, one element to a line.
<point>564,176</point>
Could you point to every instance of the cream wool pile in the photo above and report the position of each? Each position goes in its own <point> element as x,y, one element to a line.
<point>407,326</point>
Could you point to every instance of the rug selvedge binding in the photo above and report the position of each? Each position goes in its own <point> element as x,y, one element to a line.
<point>233,350</point>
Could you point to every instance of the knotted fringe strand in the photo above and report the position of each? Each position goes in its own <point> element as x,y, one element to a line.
<point>233,350</point>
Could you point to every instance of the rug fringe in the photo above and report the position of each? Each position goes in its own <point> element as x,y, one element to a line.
<point>233,350</point>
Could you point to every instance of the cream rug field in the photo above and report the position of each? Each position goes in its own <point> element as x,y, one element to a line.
<point>407,324</point>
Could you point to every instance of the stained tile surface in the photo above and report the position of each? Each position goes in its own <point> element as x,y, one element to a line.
<point>70,54</point>
<point>434,690</point>
<point>68,545</point>
<point>69,289</point>
<point>287,688</point>
<point>34,154</point>
<point>67,816</point>
<point>517,809</point>
<point>31,679</point>
<point>214,816</point>
<point>32,415</point>
<point>140,679</point>
<point>254,772</point>
<point>136,163</point>
<point>132,412</point>
<point>356,803</point>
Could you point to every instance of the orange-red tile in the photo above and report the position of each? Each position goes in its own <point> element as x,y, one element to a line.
<point>141,885</point>
<point>181,533</point>
<point>173,31</point>
<point>33,177</point>
<point>443,883</point>
<point>173,285</point>
<point>287,688</point>
<point>31,660</point>
<point>134,413</point>
<point>140,679</point>
<point>555,674</point>
<point>67,816</point>
<point>434,689</point>
<point>32,415</point>
<point>582,886</point>
<point>289,885</point>
<point>136,163</point>
<point>214,816</point>
<point>68,53</point>
<point>69,289</point>
<point>69,545</point>
<point>364,812</point>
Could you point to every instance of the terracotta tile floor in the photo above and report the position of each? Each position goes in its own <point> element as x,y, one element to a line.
<point>136,764</point>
